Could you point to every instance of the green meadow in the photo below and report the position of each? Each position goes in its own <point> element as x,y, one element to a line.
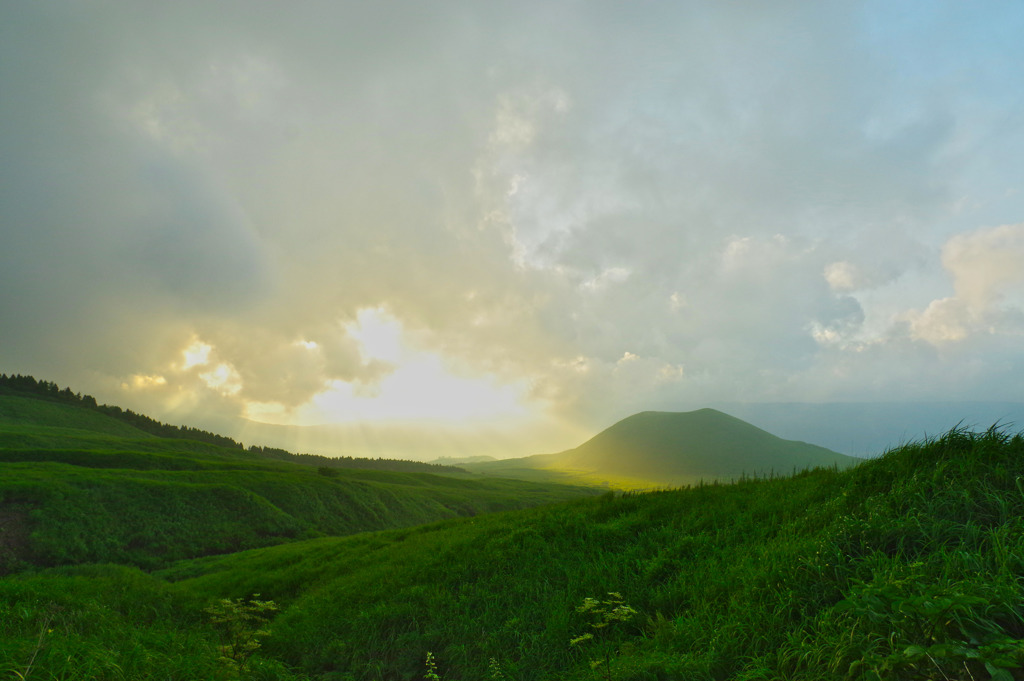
<point>906,566</point>
<point>94,490</point>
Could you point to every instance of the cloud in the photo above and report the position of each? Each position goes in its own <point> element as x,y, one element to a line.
<point>772,202</point>
<point>843,276</point>
<point>944,320</point>
<point>986,265</point>
<point>989,284</point>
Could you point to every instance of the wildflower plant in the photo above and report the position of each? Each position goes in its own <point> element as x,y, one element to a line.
<point>431,674</point>
<point>603,614</point>
<point>241,625</point>
<point>496,673</point>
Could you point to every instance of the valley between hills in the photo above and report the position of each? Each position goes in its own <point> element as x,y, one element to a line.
<point>131,549</point>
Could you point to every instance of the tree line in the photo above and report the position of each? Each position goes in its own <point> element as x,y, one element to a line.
<point>48,390</point>
<point>400,465</point>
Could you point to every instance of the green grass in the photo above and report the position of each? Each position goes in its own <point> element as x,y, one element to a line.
<point>24,411</point>
<point>909,566</point>
<point>14,438</point>
<point>150,517</point>
<point>79,487</point>
<point>108,623</point>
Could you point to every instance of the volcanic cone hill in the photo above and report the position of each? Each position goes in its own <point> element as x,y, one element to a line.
<point>673,448</point>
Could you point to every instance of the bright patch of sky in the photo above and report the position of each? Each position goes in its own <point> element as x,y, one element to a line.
<point>417,386</point>
<point>551,213</point>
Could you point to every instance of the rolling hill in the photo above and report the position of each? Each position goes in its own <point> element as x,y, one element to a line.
<point>907,566</point>
<point>79,486</point>
<point>663,449</point>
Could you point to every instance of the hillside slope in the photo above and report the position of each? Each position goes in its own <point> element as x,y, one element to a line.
<point>905,567</point>
<point>79,486</point>
<point>18,412</point>
<point>670,449</point>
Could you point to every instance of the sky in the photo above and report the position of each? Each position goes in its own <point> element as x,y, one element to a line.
<point>465,223</point>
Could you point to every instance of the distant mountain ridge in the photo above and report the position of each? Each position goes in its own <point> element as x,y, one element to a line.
<point>459,460</point>
<point>674,448</point>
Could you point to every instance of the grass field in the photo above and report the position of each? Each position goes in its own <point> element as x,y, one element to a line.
<point>81,487</point>
<point>908,566</point>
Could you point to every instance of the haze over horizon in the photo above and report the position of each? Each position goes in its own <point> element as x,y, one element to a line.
<point>503,226</point>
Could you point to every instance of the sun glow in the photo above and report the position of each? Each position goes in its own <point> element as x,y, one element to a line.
<point>196,354</point>
<point>420,388</point>
<point>419,385</point>
<point>379,335</point>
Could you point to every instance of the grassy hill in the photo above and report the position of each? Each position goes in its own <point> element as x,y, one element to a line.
<point>81,486</point>
<point>908,566</point>
<point>35,415</point>
<point>664,449</point>
<point>113,419</point>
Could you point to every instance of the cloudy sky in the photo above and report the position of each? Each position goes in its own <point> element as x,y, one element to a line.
<point>518,219</point>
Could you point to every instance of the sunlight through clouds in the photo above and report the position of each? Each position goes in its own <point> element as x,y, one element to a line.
<point>379,335</point>
<point>341,215</point>
<point>196,354</point>
<point>417,386</point>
